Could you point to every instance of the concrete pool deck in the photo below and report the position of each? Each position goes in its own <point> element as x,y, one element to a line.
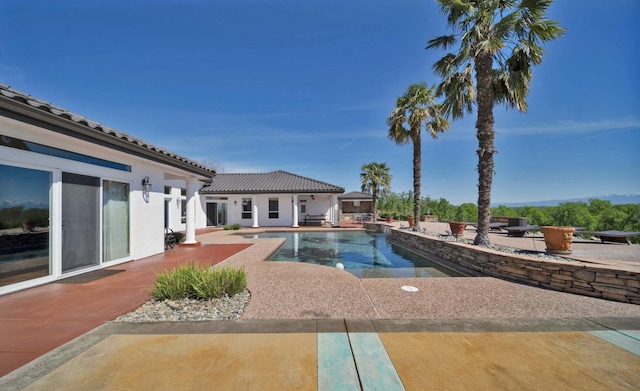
<point>302,319</point>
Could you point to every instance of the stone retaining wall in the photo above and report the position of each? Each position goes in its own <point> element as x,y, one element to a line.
<point>570,276</point>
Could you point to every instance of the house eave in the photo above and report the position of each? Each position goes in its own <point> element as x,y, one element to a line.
<point>38,117</point>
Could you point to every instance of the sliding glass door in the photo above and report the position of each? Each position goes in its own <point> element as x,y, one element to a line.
<point>24,224</point>
<point>80,221</point>
<point>115,220</point>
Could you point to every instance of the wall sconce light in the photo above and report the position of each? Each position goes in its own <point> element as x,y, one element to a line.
<point>146,186</point>
<point>313,197</point>
<point>235,202</point>
<point>178,202</point>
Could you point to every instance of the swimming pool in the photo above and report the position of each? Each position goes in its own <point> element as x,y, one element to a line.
<point>364,254</point>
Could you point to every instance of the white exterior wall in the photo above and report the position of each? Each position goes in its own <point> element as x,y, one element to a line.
<point>321,204</point>
<point>147,218</point>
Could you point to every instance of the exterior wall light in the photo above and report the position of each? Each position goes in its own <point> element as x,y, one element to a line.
<point>146,185</point>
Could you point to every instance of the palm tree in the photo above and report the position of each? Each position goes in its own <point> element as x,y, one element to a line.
<point>499,40</point>
<point>376,180</point>
<point>414,108</point>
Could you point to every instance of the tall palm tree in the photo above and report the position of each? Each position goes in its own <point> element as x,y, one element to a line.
<point>413,109</point>
<point>499,40</point>
<point>376,180</point>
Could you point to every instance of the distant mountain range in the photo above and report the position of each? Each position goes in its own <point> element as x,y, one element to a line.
<point>25,204</point>
<point>614,198</point>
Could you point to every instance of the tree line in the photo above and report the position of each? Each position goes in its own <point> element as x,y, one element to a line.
<point>594,215</point>
<point>16,216</point>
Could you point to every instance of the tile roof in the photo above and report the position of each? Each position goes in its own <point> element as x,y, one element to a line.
<point>269,182</point>
<point>356,195</point>
<point>99,129</point>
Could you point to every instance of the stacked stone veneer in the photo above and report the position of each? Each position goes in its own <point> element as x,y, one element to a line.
<point>573,276</point>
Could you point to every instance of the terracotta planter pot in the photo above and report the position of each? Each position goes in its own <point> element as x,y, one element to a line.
<point>389,219</point>
<point>558,239</point>
<point>457,228</point>
<point>411,221</point>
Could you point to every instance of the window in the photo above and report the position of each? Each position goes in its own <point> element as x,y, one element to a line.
<point>273,208</point>
<point>167,190</point>
<point>51,151</point>
<point>303,208</point>
<point>246,208</point>
<point>183,211</point>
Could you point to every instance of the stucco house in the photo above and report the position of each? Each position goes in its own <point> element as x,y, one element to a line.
<point>76,196</point>
<point>276,198</point>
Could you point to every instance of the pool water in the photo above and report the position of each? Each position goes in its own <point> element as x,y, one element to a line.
<point>364,254</point>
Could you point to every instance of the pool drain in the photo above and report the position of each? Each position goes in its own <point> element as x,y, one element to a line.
<point>409,288</point>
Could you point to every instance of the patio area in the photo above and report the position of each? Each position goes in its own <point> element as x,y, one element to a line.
<point>38,320</point>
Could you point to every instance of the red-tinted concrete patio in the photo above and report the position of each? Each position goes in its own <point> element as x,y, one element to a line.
<point>37,320</point>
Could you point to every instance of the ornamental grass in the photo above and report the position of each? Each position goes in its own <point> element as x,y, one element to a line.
<point>192,281</point>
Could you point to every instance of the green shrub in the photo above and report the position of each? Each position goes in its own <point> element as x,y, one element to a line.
<point>195,282</point>
<point>179,237</point>
<point>234,227</point>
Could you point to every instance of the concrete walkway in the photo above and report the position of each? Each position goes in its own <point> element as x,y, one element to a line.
<point>335,354</point>
<point>312,327</point>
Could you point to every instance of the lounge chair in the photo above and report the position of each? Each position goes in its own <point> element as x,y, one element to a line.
<point>611,235</point>
<point>494,225</point>
<point>520,230</point>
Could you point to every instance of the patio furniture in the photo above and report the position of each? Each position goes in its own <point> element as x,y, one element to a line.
<point>496,225</point>
<point>320,219</point>
<point>611,235</point>
<point>519,226</point>
<point>520,230</point>
<point>169,238</point>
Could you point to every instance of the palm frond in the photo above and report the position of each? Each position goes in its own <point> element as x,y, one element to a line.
<point>442,42</point>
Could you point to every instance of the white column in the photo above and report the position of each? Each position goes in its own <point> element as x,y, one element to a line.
<point>295,211</point>
<point>334,208</point>
<point>192,188</point>
<point>254,205</point>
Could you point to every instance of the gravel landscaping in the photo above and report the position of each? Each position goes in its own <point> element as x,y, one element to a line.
<point>226,308</point>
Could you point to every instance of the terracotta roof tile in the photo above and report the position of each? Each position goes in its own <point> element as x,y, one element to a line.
<point>269,182</point>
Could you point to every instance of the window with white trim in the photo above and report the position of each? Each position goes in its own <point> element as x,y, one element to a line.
<point>273,208</point>
<point>246,208</point>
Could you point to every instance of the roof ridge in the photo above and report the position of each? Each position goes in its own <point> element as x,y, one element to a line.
<point>269,182</point>
<point>305,177</point>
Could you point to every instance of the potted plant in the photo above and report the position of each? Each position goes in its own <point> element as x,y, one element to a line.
<point>411,221</point>
<point>558,239</point>
<point>457,227</point>
<point>388,217</point>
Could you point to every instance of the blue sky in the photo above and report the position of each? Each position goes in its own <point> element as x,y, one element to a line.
<point>306,86</point>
